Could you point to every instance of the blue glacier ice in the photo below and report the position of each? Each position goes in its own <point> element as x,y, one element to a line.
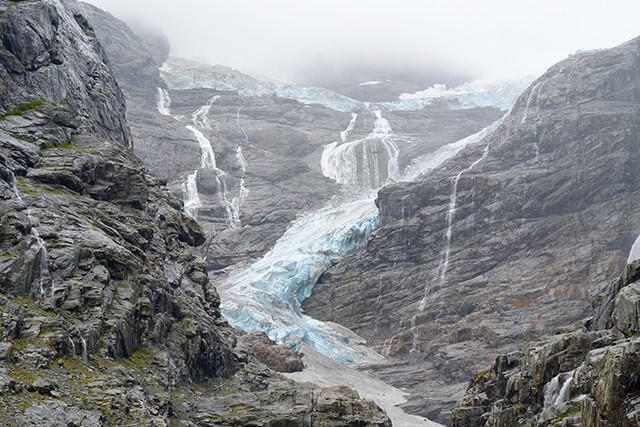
<point>268,295</point>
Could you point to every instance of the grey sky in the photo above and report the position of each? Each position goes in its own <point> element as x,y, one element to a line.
<point>478,38</point>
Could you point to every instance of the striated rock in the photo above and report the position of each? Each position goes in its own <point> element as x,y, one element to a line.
<point>583,378</point>
<point>107,314</point>
<point>41,42</point>
<point>278,357</point>
<point>504,242</point>
<point>264,398</point>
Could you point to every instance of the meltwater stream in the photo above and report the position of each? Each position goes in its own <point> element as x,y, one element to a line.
<point>267,296</point>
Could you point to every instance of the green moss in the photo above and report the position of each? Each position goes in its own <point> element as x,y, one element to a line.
<point>22,108</point>
<point>66,145</point>
<point>573,412</point>
<point>24,376</point>
<point>140,358</point>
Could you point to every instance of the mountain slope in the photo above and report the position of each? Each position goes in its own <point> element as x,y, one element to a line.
<point>504,242</point>
<point>585,377</point>
<point>108,316</point>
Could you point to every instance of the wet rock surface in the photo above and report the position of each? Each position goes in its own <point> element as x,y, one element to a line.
<point>281,141</point>
<point>107,312</point>
<point>587,377</point>
<point>500,246</point>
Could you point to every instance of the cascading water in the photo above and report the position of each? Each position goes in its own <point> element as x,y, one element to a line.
<point>85,356</point>
<point>42,253</point>
<point>200,117</point>
<point>357,163</point>
<point>556,391</point>
<point>267,296</point>
<point>163,101</point>
<point>634,254</point>
<point>352,124</point>
<point>73,347</point>
<point>190,195</point>
<point>246,138</point>
<point>452,211</point>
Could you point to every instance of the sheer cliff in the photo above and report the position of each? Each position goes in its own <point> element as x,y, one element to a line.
<point>504,242</point>
<point>108,316</point>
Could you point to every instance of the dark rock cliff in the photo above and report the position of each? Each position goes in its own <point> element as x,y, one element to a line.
<point>44,46</point>
<point>108,316</point>
<point>507,240</point>
<point>586,377</point>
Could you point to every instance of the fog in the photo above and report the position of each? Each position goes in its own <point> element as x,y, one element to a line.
<point>311,40</point>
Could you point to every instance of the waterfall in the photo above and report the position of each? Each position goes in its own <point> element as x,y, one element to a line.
<point>207,158</point>
<point>85,357</point>
<point>452,211</point>
<point>352,124</point>
<point>163,101</point>
<point>241,160</point>
<point>357,163</point>
<point>73,347</point>
<point>556,391</point>
<point>634,254</point>
<point>208,161</point>
<point>246,138</point>
<point>200,116</point>
<point>532,95</point>
<point>190,195</point>
<point>41,247</point>
<point>45,276</point>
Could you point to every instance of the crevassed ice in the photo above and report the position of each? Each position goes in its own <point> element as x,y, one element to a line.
<point>185,74</point>
<point>268,295</point>
<point>478,93</point>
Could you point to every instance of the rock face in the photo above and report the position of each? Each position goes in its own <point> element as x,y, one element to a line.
<point>505,241</point>
<point>267,147</point>
<point>108,316</point>
<point>587,377</point>
<point>40,43</point>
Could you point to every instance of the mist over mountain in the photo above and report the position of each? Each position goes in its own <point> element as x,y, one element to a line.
<point>319,214</point>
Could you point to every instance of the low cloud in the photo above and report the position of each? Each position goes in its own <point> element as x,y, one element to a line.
<point>314,40</point>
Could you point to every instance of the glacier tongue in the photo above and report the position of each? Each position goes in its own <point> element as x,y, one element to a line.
<point>268,295</point>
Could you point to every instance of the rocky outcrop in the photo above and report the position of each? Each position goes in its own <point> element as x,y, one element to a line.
<point>41,43</point>
<point>587,377</point>
<point>107,315</point>
<point>505,241</point>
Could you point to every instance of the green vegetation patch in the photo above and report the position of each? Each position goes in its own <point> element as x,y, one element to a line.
<point>22,108</point>
<point>65,145</point>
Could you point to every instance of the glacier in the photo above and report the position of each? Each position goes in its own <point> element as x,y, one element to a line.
<point>185,74</point>
<point>267,296</point>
